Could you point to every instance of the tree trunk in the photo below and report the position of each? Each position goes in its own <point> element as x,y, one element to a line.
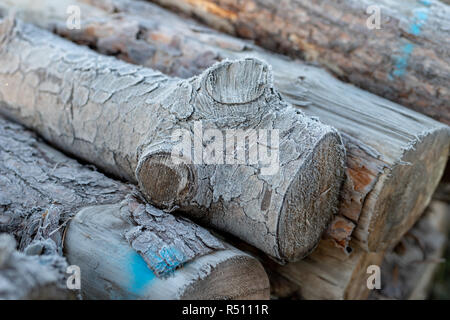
<point>395,157</point>
<point>124,247</point>
<point>129,119</point>
<point>406,60</point>
<point>24,277</point>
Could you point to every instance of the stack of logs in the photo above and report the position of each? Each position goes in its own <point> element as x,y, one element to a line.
<point>355,172</point>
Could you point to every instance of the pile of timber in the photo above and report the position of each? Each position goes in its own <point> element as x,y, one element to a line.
<point>125,248</point>
<point>349,187</point>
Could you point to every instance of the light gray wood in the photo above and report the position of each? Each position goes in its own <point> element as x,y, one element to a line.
<point>395,156</point>
<point>406,60</point>
<point>121,117</point>
<point>124,247</point>
<point>329,273</point>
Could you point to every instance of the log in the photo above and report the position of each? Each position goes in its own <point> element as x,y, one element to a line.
<point>125,248</point>
<point>132,122</point>
<point>406,60</point>
<point>24,277</point>
<point>395,157</point>
<point>408,269</point>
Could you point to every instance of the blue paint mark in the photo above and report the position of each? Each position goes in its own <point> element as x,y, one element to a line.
<point>165,261</point>
<point>141,275</point>
<point>419,19</point>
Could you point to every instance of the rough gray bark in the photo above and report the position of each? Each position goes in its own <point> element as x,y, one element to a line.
<point>30,277</point>
<point>395,157</point>
<point>42,189</point>
<point>121,117</point>
<point>406,60</point>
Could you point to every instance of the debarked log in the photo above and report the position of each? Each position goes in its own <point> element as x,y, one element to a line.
<point>396,49</point>
<point>278,191</point>
<point>395,157</point>
<point>125,248</point>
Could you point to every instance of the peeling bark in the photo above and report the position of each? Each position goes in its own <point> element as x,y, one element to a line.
<point>122,117</point>
<point>406,60</point>
<point>41,190</point>
<point>395,156</point>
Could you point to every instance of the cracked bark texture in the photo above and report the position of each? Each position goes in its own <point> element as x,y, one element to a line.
<point>121,117</point>
<point>30,277</point>
<point>41,190</point>
<point>406,60</point>
<point>395,156</point>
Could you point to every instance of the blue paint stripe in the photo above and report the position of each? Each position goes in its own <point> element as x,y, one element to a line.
<point>141,275</point>
<point>419,19</point>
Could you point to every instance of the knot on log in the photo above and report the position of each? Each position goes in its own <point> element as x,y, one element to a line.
<point>165,183</point>
<point>237,82</point>
<point>235,93</point>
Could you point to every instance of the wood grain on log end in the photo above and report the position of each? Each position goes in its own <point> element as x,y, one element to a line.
<point>302,222</point>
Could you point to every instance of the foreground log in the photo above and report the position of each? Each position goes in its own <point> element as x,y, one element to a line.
<point>395,157</point>
<point>124,247</point>
<point>24,277</point>
<point>408,269</point>
<point>279,194</point>
<point>406,60</point>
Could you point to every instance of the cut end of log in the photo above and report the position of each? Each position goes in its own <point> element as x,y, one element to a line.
<point>237,82</point>
<point>163,182</point>
<point>306,215</point>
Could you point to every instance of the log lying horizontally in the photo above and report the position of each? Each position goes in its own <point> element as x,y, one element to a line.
<point>124,248</point>
<point>395,157</point>
<point>124,119</point>
<point>24,277</point>
<point>406,60</point>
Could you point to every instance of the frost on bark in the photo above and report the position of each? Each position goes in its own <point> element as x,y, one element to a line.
<point>394,156</point>
<point>121,117</point>
<point>42,195</point>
